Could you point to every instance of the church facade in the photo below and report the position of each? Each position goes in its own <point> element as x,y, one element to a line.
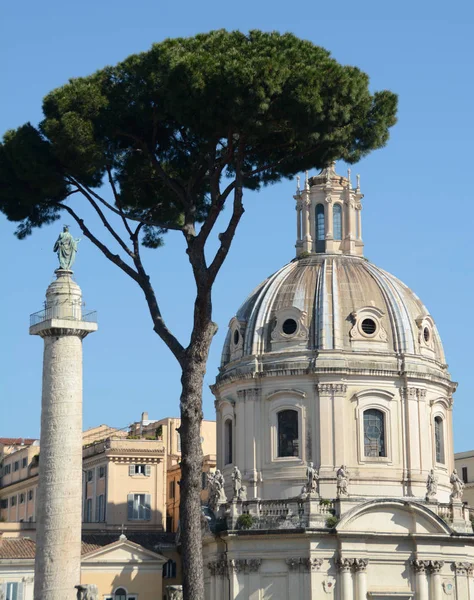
<point>334,402</point>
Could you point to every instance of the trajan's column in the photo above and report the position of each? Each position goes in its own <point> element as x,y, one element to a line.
<point>62,325</point>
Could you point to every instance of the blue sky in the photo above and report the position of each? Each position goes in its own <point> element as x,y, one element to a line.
<point>418,207</point>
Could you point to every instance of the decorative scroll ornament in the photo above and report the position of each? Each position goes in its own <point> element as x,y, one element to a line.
<point>305,564</point>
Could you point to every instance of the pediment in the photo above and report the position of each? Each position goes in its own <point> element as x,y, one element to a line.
<point>123,552</point>
<point>392,517</point>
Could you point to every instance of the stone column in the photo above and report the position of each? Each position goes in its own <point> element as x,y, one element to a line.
<point>294,577</point>
<point>435,569</point>
<point>58,533</point>
<point>359,222</point>
<point>329,218</point>
<point>420,567</point>
<point>345,568</point>
<point>360,565</point>
<point>462,570</point>
<point>307,239</point>
<point>254,578</point>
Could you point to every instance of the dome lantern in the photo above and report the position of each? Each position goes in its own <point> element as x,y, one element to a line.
<point>328,214</point>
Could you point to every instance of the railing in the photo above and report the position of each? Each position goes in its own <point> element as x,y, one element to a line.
<point>283,514</point>
<point>58,312</point>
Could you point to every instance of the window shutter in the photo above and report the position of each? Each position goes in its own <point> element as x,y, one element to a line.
<point>130,506</point>
<point>20,591</point>
<point>131,470</point>
<point>148,470</point>
<point>147,507</point>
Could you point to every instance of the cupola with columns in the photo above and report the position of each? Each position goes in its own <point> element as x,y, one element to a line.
<point>328,214</point>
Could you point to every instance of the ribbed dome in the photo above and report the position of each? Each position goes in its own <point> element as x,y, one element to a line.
<point>332,302</point>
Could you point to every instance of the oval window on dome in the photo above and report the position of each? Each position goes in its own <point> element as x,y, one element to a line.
<point>236,337</point>
<point>369,326</point>
<point>289,326</point>
<point>427,335</point>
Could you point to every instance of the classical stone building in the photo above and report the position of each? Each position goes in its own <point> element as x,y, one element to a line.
<point>334,401</point>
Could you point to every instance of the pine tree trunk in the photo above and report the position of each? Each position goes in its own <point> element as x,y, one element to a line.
<point>192,379</point>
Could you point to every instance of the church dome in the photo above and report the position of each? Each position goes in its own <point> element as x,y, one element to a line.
<point>330,302</point>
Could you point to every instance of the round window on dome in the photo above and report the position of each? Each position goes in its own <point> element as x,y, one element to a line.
<point>427,335</point>
<point>289,326</point>
<point>369,326</point>
<point>236,337</point>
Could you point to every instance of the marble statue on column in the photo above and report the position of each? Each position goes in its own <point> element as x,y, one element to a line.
<point>457,487</point>
<point>431,485</point>
<point>342,481</point>
<point>66,248</point>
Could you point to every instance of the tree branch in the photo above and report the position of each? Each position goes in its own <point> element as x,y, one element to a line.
<point>140,277</point>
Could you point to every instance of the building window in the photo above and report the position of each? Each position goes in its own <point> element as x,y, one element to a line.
<point>139,507</point>
<point>13,501</point>
<point>120,594</point>
<point>172,489</point>
<point>288,436</point>
<point>203,480</point>
<point>374,433</point>
<point>439,439</point>
<point>22,498</point>
<point>337,222</point>
<point>16,465</point>
<point>228,443</point>
<point>90,475</point>
<point>4,503</point>
<point>88,511</point>
<point>101,472</point>
<point>12,591</point>
<point>464,475</point>
<point>100,509</point>
<point>320,233</point>
<point>169,570</point>
<point>178,442</point>
<point>30,495</point>
<point>139,470</point>
<point>7,469</point>
<point>24,463</point>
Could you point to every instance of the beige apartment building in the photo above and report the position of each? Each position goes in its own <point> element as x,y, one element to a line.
<point>130,476</point>
<point>464,463</point>
<point>166,429</point>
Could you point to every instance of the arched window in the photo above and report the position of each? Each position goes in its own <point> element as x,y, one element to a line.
<point>374,433</point>
<point>120,594</point>
<point>320,227</point>
<point>439,439</point>
<point>228,442</point>
<point>288,437</point>
<point>337,222</point>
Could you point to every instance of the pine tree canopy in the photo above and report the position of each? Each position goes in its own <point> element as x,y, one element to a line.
<point>166,127</point>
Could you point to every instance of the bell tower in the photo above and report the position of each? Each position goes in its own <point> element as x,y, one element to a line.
<point>328,214</point>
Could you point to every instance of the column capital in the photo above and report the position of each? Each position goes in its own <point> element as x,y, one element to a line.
<point>327,389</point>
<point>463,568</point>
<point>249,393</point>
<point>420,566</point>
<point>218,567</point>
<point>436,565</point>
<point>360,564</point>
<point>345,564</point>
<point>413,393</point>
